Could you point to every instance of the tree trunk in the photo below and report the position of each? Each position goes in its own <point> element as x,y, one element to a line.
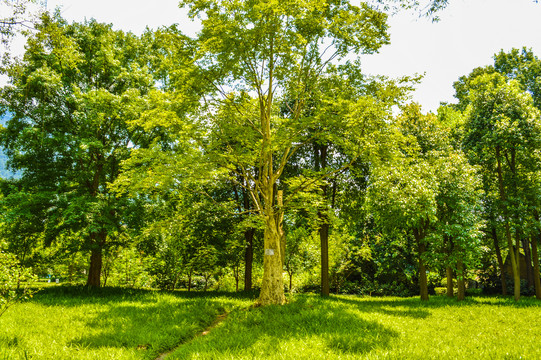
<point>280,225</point>
<point>190,280</point>
<point>460,280</point>
<point>423,281</point>
<point>290,281</point>
<point>237,277</point>
<point>321,163</point>
<point>528,258</point>
<point>324,238</point>
<point>94,272</point>
<point>500,260</point>
<point>537,280</point>
<point>449,273</point>
<point>248,258</point>
<point>97,241</point>
<point>272,285</point>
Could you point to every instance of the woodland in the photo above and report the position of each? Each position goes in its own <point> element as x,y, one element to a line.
<point>259,157</point>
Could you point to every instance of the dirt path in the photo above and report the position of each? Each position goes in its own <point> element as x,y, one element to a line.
<point>219,319</point>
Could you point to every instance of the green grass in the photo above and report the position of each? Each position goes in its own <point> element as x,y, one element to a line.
<point>123,324</point>
<point>345,327</point>
<point>73,323</point>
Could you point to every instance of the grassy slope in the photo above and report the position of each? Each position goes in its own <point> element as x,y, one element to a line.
<point>141,324</point>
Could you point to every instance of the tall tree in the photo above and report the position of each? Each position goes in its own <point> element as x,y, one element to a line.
<point>267,49</point>
<point>72,97</point>
<point>503,133</point>
<point>430,191</point>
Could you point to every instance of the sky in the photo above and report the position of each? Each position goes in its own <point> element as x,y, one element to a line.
<point>468,34</point>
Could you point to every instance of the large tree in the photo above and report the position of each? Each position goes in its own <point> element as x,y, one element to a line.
<point>72,97</point>
<point>258,52</point>
<point>430,191</point>
<point>503,134</point>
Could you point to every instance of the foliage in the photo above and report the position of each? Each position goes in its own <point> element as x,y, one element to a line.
<point>69,129</point>
<point>16,281</point>
<point>16,16</point>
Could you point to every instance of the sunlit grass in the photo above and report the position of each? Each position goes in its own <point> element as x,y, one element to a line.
<point>345,327</point>
<point>109,324</point>
<point>124,324</point>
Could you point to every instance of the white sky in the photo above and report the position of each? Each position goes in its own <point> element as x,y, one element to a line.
<point>469,34</point>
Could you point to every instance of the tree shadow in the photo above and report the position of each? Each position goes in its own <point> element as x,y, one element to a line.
<point>393,307</point>
<point>149,327</point>
<point>266,331</point>
<point>149,321</point>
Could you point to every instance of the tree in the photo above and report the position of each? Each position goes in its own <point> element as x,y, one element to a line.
<point>269,49</point>
<point>72,97</point>
<point>324,155</point>
<point>503,131</point>
<point>16,15</point>
<point>431,192</point>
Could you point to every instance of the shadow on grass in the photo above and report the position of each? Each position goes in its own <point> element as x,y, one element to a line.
<point>306,323</point>
<point>150,321</point>
<point>154,321</point>
<point>393,307</point>
<point>76,295</point>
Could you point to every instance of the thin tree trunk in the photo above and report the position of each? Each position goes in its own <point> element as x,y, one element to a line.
<point>280,225</point>
<point>324,239</point>
<point>290,281</point>
<point>537,280</point>
<point>237,277</point>
<point>500,260</point>
<point>248,258</point>
<point>449,273</point>
<point>190,280</point>
<point>321,163</point>
<point>528,258</point>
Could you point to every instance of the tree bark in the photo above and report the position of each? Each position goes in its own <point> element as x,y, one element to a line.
<point>272,285</point>
<point>324,239</point>
<point>248,258</point>
<point>321,163</point>
<point>280,225</point>
<point>290,281</point>
<point>449,273</point>
<point>94,272</point>
<point>528,258</point>
<point>97,241</point>
<point>500,260</point>
<point>537,280</point>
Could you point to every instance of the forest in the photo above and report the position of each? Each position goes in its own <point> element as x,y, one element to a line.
<point>259,156</point>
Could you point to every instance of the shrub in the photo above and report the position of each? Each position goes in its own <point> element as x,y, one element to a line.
<point>15,281</point>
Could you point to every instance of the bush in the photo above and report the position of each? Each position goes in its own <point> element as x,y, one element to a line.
<point>15,282</point>
<point>440,291</point>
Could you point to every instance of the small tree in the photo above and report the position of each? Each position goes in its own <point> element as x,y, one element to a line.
<point>15,281</point>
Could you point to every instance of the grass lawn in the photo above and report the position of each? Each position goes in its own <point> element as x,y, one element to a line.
<point>124,324</point>
<point>70,323</point>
